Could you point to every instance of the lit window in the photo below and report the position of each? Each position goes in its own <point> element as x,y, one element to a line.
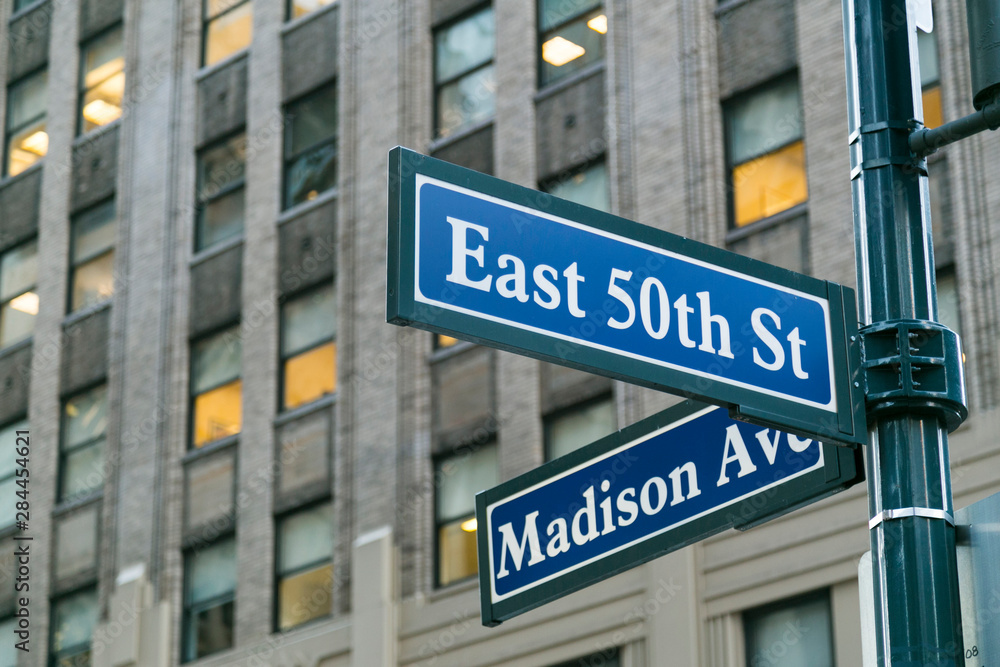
<point>767,154</point>
<point>311,146</point>
<point>297,8</point>
<point>216,388</point>
<point>27,137</point>
<point>8,472</point>
<point>462,476</point>
<point>228,29</point>
<point>308,347</point>
<point>221,170</point>
<point>442,341</point>
<point>209,599</point>
<point>789,634</point>
<point>464,80</point>
<point>102,81</point>
<point>305,568</point>
<point>81,454</point>
<point>18,299</point>
<point>93,256</point>
<point>73,619</point>
<point>572,37</point>
<point>587,186</point>
<point>930,78</point>
<point>580,425</point>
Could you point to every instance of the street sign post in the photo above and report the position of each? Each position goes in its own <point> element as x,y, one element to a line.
<point>654,487</point>
<point>489,261</point>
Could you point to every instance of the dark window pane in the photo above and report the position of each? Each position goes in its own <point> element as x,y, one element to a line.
<point>467,101</point>
<point>947,299</point>
<point>808,622</point>
<point>82,471</point>
<point>8,511</point>
<point>573,46</point>
<point>26,99</point>
<point>215,360</point>
<point>220,219</point>
<point>308,320</point>
<point>221,166</point>
<point>8,455</point>
<point>764,121</point>
<point>94,232</point>
<point>73,620</point>
<point>575,428</point>
<point>928,56</point>
<point>461,477</point>
<point>305,538</point>
<point>554,12</point>
<point>311,173</point>
<point>8,653</point>
<point>312,120</point>
<point>211,572</point>
<point>213,628</point>
<point>18,270</point>
<point>464,45</point>
<point>588,187</point>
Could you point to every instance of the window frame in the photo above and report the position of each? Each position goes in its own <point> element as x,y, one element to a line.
<point>75,262</point>
<point>436,460</point>
<point>288,158</point>
<point>9,131</point>
<point>189,610</point>
<point>728,132</point>
<point>280,576</point>
<point>192,396</point>
<point>440,85</point>
<point>283,359</point>
<point>202,201</point>
<point>206,21</point>
<point>541,32</point>
<point>82,89</point>
<point>97,492</point>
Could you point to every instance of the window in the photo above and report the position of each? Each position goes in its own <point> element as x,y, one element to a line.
<point>308,347</point>
<point>442,341</point>
<point>791,633</point>
<point>580,425</point>
<point>18,299</point>
<point>8,472</point>
<point>27,141</point>
<point>221,170</point>
<point>209,599</point>
<point>102,81</point>
<point>572,37</point>
<point>930,78</point>
<point>459,477</point>
<point>227,29</point>
<point>81,454</point>
<point>464,79</point>
<point>76,544</point>
<point>305,567</point>
<point>21,4</point>
<point>93,256</point>
<point>73,620</point>
<point>297,8</point>
<point>587,185</point>
<point>767,154</point>
<point>8,653</point>
<point>311,146</point>
<point>216,388</point>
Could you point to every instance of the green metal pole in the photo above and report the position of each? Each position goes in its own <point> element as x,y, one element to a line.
<point>914,385</point>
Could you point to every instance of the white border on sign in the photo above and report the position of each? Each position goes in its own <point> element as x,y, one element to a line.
<point>680,422</point>
<point>830,406</point>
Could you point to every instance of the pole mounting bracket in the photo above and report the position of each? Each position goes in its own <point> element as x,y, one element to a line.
<point>913,365</point>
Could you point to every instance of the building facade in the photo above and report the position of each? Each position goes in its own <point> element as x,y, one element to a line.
<point>234,460</point>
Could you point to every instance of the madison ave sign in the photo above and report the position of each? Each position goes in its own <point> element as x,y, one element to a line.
<point>485,260</point>
<point>654,487</point>
<point>510,267</point>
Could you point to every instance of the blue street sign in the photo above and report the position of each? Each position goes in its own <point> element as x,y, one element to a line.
<point>489,261</point>
<point>661,484</point>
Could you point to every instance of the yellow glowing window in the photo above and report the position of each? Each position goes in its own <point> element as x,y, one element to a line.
<point>299,8</point>
<point>460,477</point>
<point>102,85</point>
<point>457,551</point>
<point>228,29</point>
<point>770,184</point>
<point>27,139</point>
<point>572,36</point>
<point>441,341</point>
<point>216,388</point>
<point>933,112</point>
<point>304,568</point>
<point>308,346</point>
<point>311,375</point>
<point>18,298</point>
<point>218,413</point>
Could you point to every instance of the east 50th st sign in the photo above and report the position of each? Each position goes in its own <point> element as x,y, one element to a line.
<point>492,262</point>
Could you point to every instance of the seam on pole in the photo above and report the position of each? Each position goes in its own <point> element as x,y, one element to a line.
<point>906,512</point>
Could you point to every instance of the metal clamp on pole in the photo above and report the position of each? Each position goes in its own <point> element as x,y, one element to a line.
<point>906,512</point>
<point>913,365</point>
